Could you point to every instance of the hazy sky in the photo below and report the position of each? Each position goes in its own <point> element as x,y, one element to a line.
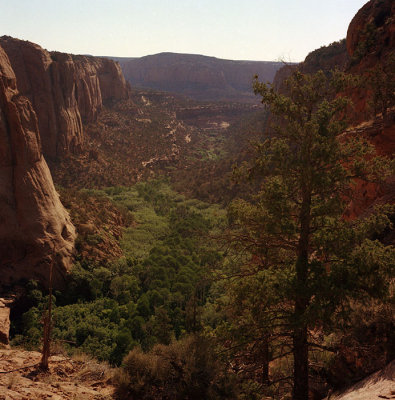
<point>233,29</point>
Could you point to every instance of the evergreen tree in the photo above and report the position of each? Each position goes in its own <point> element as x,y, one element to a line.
<point>302,259</point>
<point>381,81</point>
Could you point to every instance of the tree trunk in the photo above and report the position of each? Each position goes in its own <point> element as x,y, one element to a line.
<point>302,298</point>
<point>301,364</point>
<point>300,346</point>
<point>265,361</point>
<point>47,326</point>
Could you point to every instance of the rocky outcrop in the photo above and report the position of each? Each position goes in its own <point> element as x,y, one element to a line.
<point>368,194</point>
<point>65,90</point>
<point>371,33</point>
<point>34,226</point>
<point>379,385</point>
<point>66,378</point>
<point>370,40</point>
<point>197,76</point>
<point>4,322</point>
<point>325,58</point>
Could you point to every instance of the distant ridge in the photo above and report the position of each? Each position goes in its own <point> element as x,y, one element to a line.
<point>197,76</point>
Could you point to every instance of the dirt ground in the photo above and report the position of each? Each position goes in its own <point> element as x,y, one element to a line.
<point>68,378</point>
<point>80,378</point>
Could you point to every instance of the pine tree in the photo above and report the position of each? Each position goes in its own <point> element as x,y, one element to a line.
<point>303,260</point>
<point>381,81</point>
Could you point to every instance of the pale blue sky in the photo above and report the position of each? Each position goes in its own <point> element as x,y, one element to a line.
<point>233,29</point>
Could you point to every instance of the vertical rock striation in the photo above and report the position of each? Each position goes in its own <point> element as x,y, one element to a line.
<point>65,90</point>
<point>33,223</point>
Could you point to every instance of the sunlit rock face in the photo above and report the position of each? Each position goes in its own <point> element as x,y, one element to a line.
<point>4,322</point>
<point>199,77</point>
<point>34,226</point>
<point>65,90</point>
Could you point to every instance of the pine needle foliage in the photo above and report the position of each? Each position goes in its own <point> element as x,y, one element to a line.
<point>301,260</point>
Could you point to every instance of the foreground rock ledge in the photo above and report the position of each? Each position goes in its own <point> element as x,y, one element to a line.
<point>68,378</point>
<point>380,385</point>
<point>4,322</point>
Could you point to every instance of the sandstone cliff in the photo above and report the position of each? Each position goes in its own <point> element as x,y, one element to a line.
<point>197,76</point>
<point>370,40</point>
<point>371,33</point>
<point>33,223</point>
<point>325,58</point>
<point>65,90</point>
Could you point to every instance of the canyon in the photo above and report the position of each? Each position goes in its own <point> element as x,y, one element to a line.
<point>77,131</point>
<point>77,112</point>
<point>66,91</point>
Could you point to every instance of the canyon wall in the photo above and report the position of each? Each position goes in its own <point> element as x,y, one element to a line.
<point>371,33</point>
<point>325,58</point>
<point>34,226</point>
<point>197,76</point>
<point>66,91</point>
<point>369,43</point>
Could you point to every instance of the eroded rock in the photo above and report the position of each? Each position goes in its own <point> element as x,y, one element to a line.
<point>34,226</point>
<point>65,90</point>
<point>4,322</point>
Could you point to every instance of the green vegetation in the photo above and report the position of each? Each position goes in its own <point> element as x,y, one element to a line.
<point>366,43</point>
<point>381,82</point>
<point>153,294</point>
<point>188,369</point>
<point>301,262</point>
<point>207,175</point>
<point>192,317</point>
<point>327,57</point>
<point>274,295</point>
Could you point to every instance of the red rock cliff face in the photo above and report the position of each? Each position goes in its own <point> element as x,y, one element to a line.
<point>65,91</point>
<point>33,222</point>
<point>377,40</point>
<point>370,39</point>
<point>197,76</point>
<point>325,58</point>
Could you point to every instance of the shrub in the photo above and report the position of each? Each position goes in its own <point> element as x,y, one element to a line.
<point>184,370</point>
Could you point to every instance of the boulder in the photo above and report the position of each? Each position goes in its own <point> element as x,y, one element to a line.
<point>4,323</point>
